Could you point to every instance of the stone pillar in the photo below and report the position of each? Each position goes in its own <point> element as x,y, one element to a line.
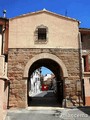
<point>22,103</point>
<point>1,98</point>
<point>70,93</point>
<point>65,86</point>
<point>3,91</point>
<point>26,92</point>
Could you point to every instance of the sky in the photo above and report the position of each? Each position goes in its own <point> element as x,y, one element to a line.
<point>78,9</point>
<point>45,71</point>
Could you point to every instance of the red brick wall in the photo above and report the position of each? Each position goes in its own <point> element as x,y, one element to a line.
<point>87,101</point>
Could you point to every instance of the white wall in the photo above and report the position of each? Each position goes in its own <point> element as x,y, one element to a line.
<point>62,32</point>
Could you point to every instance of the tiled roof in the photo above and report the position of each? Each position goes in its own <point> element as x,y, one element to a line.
<point>84,30</point>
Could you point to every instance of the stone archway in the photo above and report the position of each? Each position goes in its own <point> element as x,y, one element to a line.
<point>44,57</point>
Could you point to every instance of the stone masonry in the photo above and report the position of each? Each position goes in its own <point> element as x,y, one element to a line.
<point>17,60</point>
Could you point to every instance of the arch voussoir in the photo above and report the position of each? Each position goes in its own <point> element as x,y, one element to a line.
<point>45,56</point>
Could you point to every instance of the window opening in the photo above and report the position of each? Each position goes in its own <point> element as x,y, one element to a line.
<point>0,28</point>
<point>41,34</point>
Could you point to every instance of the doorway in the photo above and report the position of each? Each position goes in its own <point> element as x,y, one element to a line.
<point>42,92</point>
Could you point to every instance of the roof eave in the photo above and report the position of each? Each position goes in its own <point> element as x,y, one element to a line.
<point>84,30</point>
<point>49,12</point>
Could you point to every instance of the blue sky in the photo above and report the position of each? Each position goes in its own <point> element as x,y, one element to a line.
<point>45,71</point>
<point>78,9</point>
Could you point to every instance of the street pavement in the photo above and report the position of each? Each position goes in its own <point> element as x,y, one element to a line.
<point>49,113</point>
<point>45,99</point>
<point>46,107</point>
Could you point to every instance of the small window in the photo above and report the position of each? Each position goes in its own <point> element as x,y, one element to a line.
<point>81,38</point>
<point>0,28</point>
<point>41,34</point>
<point>86,63</point>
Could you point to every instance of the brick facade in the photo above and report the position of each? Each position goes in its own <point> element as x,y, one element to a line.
<point>85,38</point>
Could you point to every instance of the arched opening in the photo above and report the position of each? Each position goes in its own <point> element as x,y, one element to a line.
<point>58,80</point>
<point>51,62</point>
